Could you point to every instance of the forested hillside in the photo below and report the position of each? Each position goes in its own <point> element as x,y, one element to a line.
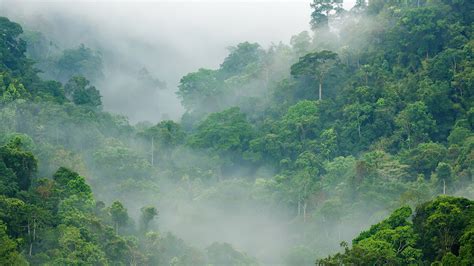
<point>361,130</point>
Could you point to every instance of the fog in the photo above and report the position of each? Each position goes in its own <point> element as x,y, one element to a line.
<point>168,38</point>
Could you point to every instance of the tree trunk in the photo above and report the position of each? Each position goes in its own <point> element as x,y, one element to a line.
<point>444,187</point>
<point>34,229</point>
<point>358,130</point>
<point>304,212</point>
<point>29,236</point>
<point>320,91</point>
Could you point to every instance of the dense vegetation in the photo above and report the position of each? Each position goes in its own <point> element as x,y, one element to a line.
<point>372,114</point>
<point>441,231</point>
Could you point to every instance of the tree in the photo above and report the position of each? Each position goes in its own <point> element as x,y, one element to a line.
<point>170,250</point>
<point>14,91</point>
<point>9,254</point>
<point>301,43</point>
<point>52,90</point>
<point>21,162</point>
<point>8,180</point>
<point>199,90</point>
<point>435,95</point>
<point>75,250</point>
<point>224,132</point>
<point>392,241</point>
<point>77,89</point>
<point>71,183</point>
<point>327,146</point>
<point>317,65</point>
<point>357,114</point>
<point>322,9</point>
<point>12,48</point>
<point>444,175</point>
<point>466,251</point>
<point>305,180</point>
<point>117,160</point>
<point>441,223</point>
<point>458,135</point>
<point>301,120</point>
<point>163,137</point>
<point>415,123</point>
<point>419,34</point>
<point>81,61</point>
<point>148,213</point>
<point>424,158</point>
<point>242,56</point>
<point>119,215</point>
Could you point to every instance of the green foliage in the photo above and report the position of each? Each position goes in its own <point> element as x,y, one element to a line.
<point>77,89</point>
<point>441,225</point>
<point>199,89</point>
<point>22,163</point>
<point>322,11</point>
<point>424,158</point>
<point>119,214</point>
<point>12,48</point>
<point>80,61</point>
<point>394,128</point>
<point>75,250</point>
<point>8,249</point>
<point>166,134</point>
<point>439,232</point>
<point>224,132</point>
<point>70,183</point>
<point>242,57</point>
<point>117,160</point>
<point>318,65</point>
<point>415,124</point>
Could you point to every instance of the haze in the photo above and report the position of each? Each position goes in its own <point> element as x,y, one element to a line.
<point>169,38</point>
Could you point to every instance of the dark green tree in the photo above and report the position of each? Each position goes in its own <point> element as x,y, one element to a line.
<point>77,89</point>
<point>21,162</point>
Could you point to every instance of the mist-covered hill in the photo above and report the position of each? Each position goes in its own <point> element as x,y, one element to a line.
<point>357,134</point>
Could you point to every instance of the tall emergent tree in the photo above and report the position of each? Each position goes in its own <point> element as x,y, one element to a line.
<point>317,65</point>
